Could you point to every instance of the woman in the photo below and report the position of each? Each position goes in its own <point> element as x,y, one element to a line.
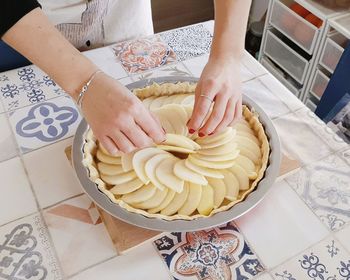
<point>117,117</point>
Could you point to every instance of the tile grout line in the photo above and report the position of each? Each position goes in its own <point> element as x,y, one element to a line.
<point>63,200</point>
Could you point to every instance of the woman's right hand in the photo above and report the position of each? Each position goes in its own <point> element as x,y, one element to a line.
<point>118,118</point>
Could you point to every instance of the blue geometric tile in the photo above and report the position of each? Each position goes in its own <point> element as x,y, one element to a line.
<point>188,42</point>
<point>217,253</point>
<point>26,86</point>
<point>44,123</point>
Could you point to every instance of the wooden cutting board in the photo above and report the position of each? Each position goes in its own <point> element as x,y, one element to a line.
<point>126,236</point>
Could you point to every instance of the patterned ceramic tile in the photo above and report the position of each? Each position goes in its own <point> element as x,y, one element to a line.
<point>25,251</point>
<point>279,90</point>
<point>218,253</point>
<point>142,262</point>
<point>7,141</point>
<point>45,123</point>
<point>77,231</point>
<point>26,86</point>
<point>105,59</point>
<point>173,70</point>
<point>209,25</point>
<point>299,141</point>
<point>271,104</point>
<point>343,236</point>
<point>280,226</point>
<point>51,174</point>
<point>264,276</point>
<point>325,261</point>
<point>188,42</point>
<point>126,81</point>
<point>143,54</point>
<point>325,187</point>
<point>321,129</point>
<point>17,199</point>
<point>345,154</point>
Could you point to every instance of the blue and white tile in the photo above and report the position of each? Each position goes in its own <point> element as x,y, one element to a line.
<point>27,86</point>
<point>7,140</point>
<point>45,123</point>
<point>17,199</point>
<point>280,226</point>
<point>253,65</point>
<point>299,141</point>
<point>142,262</point>
<point>51,174</point>
<point>105,59</point>
<point>188,42</point>
<point>217,253</point>
<point>325,187</point>
<point>322,130</point>
<point>271,104</point>
<point>279,90</point>
<point>326,260</point>
<point>26,252</point>
<point>343,236</point>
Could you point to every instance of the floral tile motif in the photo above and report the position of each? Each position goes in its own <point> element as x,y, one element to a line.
<point>325,187</point>
<point>26,86</point>
<point>78,234</point>
<point>143,54</point>
<point>188,42</point>
<point>343,236</point>
<point>7,141</point>
<point>44,123</point>
<point>218,253</point>
<point>25,251</point>
<point>327,260</point>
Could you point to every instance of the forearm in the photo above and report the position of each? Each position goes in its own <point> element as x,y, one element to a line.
<point>38,40</point>
<point>231,18</point>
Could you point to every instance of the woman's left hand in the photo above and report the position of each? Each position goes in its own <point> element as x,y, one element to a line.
<point>219,84</point>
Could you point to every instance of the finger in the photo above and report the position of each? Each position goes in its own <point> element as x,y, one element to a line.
<point>109,145</point>
<point>122,142</point>
<point>238,112</point>
<point>157,120</point>
<point>150,126</point>
<point>201,108</point>
<point>228,116</point>
<point>216,115</point>
<point>137,136</point>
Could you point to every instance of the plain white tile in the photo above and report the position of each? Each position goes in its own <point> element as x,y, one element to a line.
<point>264,276</point>
<point>140,263</point>
<point>174,70</point>
<point>125,81</point>
<point>253,65</point>
<point>209,25</point>
<point>7,140</point>
<point>344,237</point>
<point>51,174</point>
<point>76,232</point>
<point>16,199</point>
<point>280,226</point>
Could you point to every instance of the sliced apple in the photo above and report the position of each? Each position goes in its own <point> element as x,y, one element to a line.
<point>243,127</point>
<point>140,159</point>
<point>218,143</point>
<point>142,194</point>
<point>217,137</point>
<point>192,201</point>
<point>246,142</point>
<point>187,174</point>
<point>119,179</point>
<point>188,100</point>
<point>175,149</point>
<point>158,102</point>
<point>249,135</point>
<point>219,189</point>
<point>219,150</point>
<point>126,159</point>
<point>189,110</point>
<point>169,197</point>
<point>165,174</point>
<point>108,159</point>
<point>150,169</point>
<point>180,141</point>
<point>249,154</point>
<point>109,169</point>
<point>241,176</point>
<point>216,158</point>
<point>154,201</point>
<point>247,165</point>
<point>177,202</point>
<point>203,170</point>
<point>147,102</point>
<point>211,164</point>
<point>127,187</point>
<point>231,184</point>
<point>164,121</point>
<point>104,150</point>
<point>206,203</point>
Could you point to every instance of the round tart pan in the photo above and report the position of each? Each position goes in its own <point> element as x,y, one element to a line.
<point>236,211</point>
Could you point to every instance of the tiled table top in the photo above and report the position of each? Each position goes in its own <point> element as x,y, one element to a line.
<point>50,230</point>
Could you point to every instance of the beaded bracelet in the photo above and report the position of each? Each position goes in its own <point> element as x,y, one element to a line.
<point>85,88</point>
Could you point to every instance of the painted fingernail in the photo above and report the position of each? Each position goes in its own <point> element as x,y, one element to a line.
<point>200,134</point>
<point>191,130</point>
<point>211,133</point>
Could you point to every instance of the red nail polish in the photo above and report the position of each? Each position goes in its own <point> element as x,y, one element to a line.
<point>191,130</point>
<point>201,134</point>
<point>211,133</point>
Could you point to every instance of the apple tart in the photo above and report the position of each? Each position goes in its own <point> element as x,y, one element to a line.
<point>186,176</point>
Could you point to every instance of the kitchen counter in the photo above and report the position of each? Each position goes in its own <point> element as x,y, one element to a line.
<point>49,229</point>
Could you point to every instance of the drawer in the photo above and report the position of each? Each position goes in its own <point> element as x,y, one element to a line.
<point>279,75</point>
<point>285,57</point>
<point>319,84</point>
<point>332,51</point>
<point>312,106</point>
<point>293,26</point>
